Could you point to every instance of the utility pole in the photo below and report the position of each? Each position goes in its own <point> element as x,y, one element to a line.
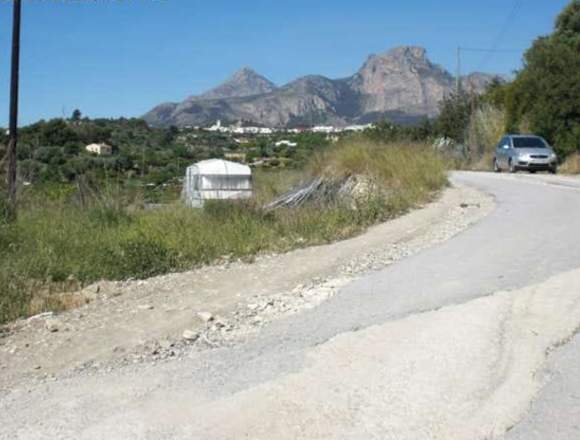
<point>13,124</point>
<point>458,73</point>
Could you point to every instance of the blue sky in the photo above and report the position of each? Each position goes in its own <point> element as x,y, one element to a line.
<point>121,57</point>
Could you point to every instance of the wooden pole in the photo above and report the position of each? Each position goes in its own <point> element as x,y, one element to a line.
<point>13,124</point>
<point>458,77</point>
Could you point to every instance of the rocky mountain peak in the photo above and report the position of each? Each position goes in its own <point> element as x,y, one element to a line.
<point>407,52</point>
<point>477,82</point>
<point>244,82</point>
<point>246,74</point>
<point>399,58</point>
<point>403,77</point>
<point>401,83</point>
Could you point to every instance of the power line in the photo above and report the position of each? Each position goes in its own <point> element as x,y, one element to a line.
<point>495,46</point>
<point>494,49</point>
<point>477,49</point>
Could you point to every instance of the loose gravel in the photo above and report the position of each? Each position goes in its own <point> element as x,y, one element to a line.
<point>168,317</point>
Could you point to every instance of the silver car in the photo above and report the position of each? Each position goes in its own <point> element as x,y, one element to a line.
<point>524,152</point>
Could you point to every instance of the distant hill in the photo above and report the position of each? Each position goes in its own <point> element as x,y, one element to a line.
<point>401,84</point>
<point>245,82</point>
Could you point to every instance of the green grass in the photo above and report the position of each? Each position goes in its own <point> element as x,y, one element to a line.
<point>109,237</point>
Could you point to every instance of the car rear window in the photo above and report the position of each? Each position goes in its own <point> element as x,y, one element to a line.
<point>528,142</point>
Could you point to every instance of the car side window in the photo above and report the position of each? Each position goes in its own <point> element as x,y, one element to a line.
<point>502,142</point>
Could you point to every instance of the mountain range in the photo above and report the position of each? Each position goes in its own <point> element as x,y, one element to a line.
<point>401,84</point>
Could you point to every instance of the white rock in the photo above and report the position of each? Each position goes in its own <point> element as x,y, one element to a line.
<point>145,307</point>
<point>53,325</point>
<point>190,335</point>
<point>205,316</point>
<point>219,322</point>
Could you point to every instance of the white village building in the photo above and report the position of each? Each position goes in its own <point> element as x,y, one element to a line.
<point>286,143</point>
<point>324,129</point>
<point>358,128</point>
<point>101,149</point>
<point>218,127</point>
<point>216,179</point>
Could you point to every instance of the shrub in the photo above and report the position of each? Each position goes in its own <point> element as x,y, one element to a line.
<point>4,209</point>
<point>571,165</point>
<point>107,216</point>
<point>141,257</point>
<point>486,127</point>
<point>411,171</point>
<point>15,295</point>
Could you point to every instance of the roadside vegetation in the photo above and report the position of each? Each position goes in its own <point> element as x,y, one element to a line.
<point>84,217</point>
<point>543,99</point>
<point>67,236</point>
<point>571,165</point>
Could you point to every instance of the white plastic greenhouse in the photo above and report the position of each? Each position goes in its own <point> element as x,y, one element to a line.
<point>216,179</point>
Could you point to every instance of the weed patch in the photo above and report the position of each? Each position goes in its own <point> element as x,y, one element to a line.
<point>111,236</point>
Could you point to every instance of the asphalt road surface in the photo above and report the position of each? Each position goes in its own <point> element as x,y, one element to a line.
<point>449,343</point>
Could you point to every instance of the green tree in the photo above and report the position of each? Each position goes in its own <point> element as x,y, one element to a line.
<point>455,112</point>
<point>496,92</point>
<point>546,91</point>
<point>55,132</point>
<point>76,115</point>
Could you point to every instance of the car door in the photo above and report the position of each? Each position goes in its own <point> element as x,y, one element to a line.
<point>507,151</point>
<point>510,151</point>
<point>500,153</point>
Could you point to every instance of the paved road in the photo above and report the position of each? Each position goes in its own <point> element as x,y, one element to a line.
<point>531,237</point>
<point>555,414</point>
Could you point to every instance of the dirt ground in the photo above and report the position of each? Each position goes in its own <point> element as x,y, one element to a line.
<point>161,318</point>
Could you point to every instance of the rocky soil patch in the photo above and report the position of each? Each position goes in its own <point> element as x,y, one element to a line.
<point>166,317</point>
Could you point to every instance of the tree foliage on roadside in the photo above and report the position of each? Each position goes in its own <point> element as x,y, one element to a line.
<point>543,98</point>
<point>546,93</point>
<point>455,112</point>
<point>387,132</point>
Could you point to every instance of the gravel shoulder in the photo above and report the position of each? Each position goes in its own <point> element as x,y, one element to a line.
<point>466,371</point>
<point>462,372</point>
<point>166,317</point>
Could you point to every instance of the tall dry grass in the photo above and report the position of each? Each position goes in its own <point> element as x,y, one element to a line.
<point>58,240</point>
<point>410,172</point>
<point>571,164</point>
<point>486,127</point>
